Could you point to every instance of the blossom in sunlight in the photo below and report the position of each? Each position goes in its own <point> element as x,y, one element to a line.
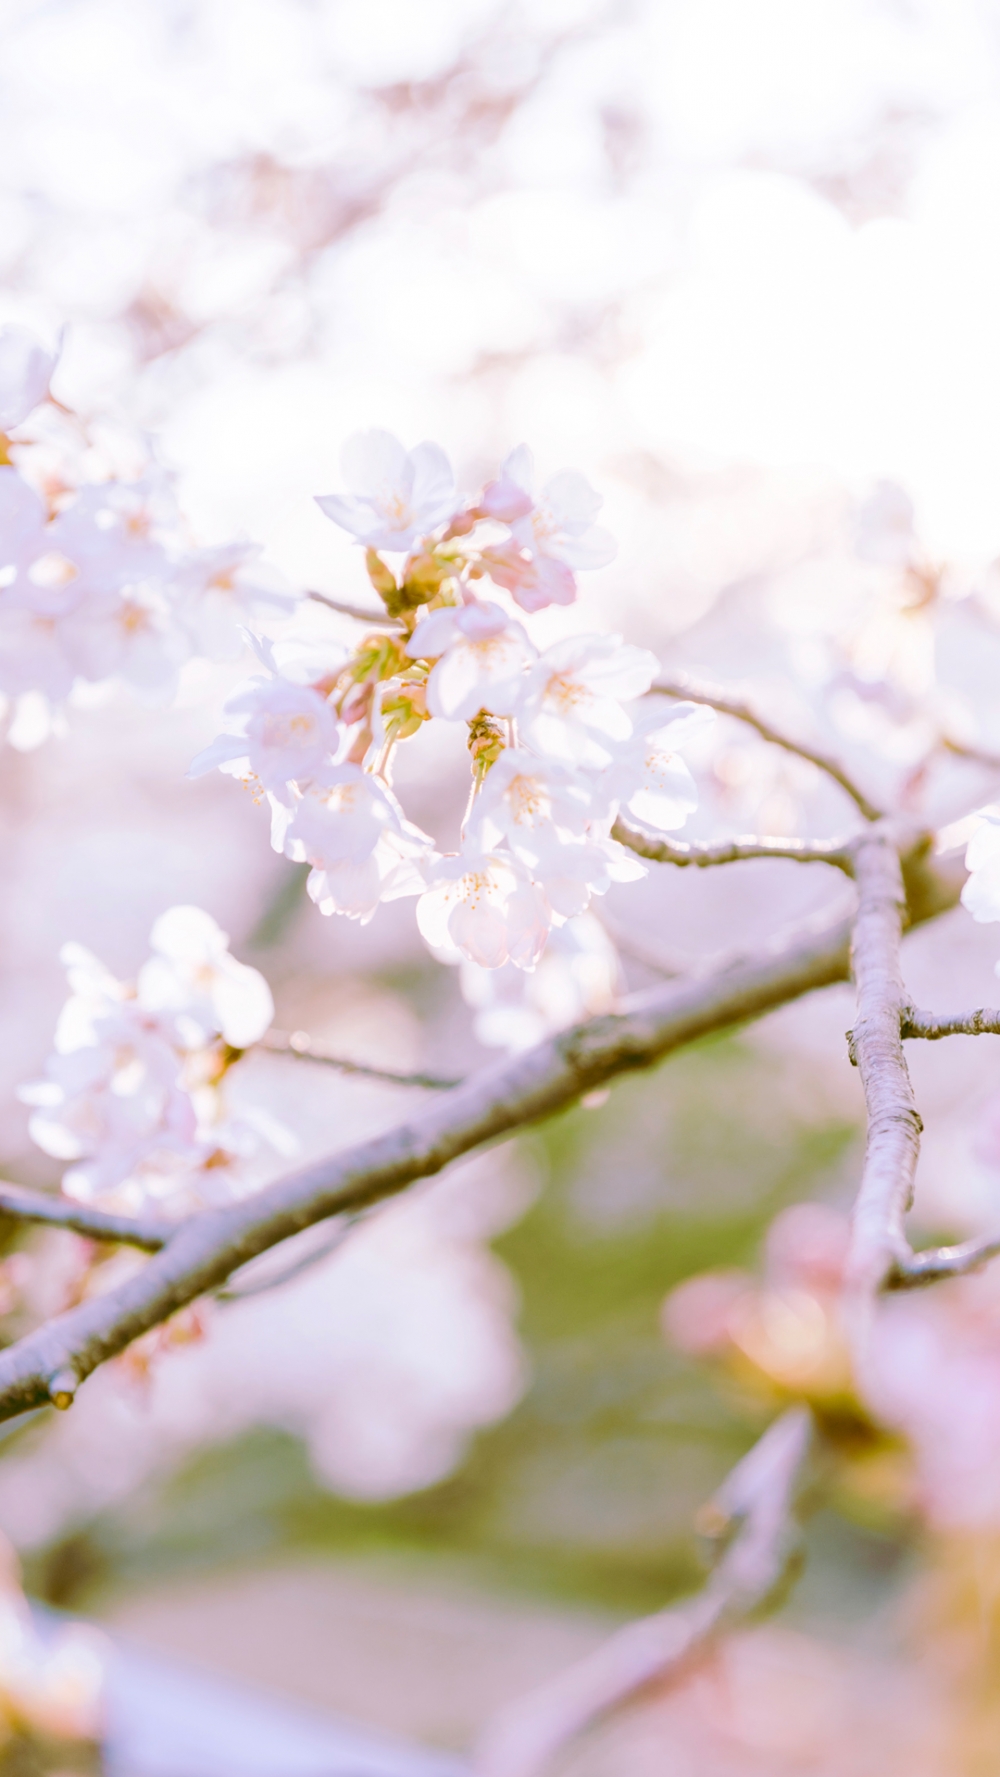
<point>578,976</point>
<point>192,981</point>
<point>219,590</point>
<point>551,534</point>
<point>395,495</point>
<point>25,372</point>
<point>120,533</point>
<point>884,527</point>
<point>647,778</point>
<point>571,707</point>
<point>536,805</point>
<point>350,828</point>
<point>571,873</point>
<point>480,656</point>
<point>485,905</point>
<point>981,894</point>
<point>280,731</point>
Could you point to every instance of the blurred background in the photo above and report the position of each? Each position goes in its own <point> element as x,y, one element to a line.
<point>738,261</point>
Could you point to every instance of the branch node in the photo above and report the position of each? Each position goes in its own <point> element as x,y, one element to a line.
<point>62,1388</point>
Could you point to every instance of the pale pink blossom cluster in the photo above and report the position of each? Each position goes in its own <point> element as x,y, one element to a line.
<point>133,1097</point>
<point>97,580</point>
<point>559,744</point>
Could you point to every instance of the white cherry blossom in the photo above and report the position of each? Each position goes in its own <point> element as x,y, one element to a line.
<point>571,874</point>
<point>25,372</point>
<point>280,731</point>
<point>481,654</point>
<point>219,590</point>
<point>578,976</point>
<point>192,981</point>
<point>647,778</point>
<point>395,495</point>
<point>571,706</point>
<point>551,535</point>
<point>484,905</point>
<point>981,894</point>
<point>535,804</point>
<point>350,828</point>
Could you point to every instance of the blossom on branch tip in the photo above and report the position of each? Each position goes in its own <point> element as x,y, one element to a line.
<point>551,534</point>
<point>647,777</point>
<point>485,905</point>
<point>395,495</point>
<point>480,655</point>
<point>535,804</point>
<point>192,982</point>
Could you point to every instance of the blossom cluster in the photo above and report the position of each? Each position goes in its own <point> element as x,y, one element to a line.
<point>97,580</point>
<point>559,746</point>
<point>133,1096</point>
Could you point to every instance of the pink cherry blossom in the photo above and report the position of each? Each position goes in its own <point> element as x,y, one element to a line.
<point>577,976</point>
<point>197,989</point>
<point>571,708</point>
<point>218,590</point>
<point>395,495</point>
<point>280,731</point>
<point>535,805</point>
<point>25,372</point>
<point>647,777</point>
<point>484,905</point>
<point>550,535</point>
<point>481,655</point>
<point>981,894</point>
<point>350,828</point>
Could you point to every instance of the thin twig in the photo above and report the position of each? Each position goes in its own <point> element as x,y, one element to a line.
<point>756,1507</point>
<point>912,1270</point>
<point>208,1247</point>
<point>968,750</point>
<point>150,1233</point>
<point>300,1046</point>
<point>732,851</point>
<point>717,698</point>
<point>381,618</point>
<point>981,1023</point>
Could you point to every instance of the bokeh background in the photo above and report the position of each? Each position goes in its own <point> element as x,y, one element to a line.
<point>736,260</point>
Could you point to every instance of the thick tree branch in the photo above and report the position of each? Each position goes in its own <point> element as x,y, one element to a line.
<point>301,1047</point>
<point>727,705</point>
<point>150,1233</point>
<point>207,1248</point>
<point>756,1508</point>
<point>732,851</point>
<point>878,1241</point>
<point>981,1023</point>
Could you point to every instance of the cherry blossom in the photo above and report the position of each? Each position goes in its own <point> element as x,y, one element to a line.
<point>981,894</point>
<point>192,982</point>
<point>219,590</point>
<point>281,731</point>
<point>480,654</point>
<point>578,976</point>
<point>395,495</point>
<point>571,706</point>
<point>25,372</point>
<point>535,804</point>
<point>647,777</point>
<point>550,535</point>
<point>484,905</point>
<point>350,828</point>
<point>571,873</point>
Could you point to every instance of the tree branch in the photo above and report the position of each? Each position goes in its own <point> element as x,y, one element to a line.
<point>300,1046</point>
<point>150,1233</point>
<point>207,1248</point>
<point>719,699</point>
<point>756,1507</point>
<point>878,1241</point>
<point>732,851</point>
<point>912,1270</point>
<point>931,1025</point>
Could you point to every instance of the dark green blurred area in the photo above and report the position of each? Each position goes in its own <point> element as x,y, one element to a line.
<point>587,1492</point>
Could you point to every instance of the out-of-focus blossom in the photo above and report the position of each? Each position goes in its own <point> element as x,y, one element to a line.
<point>480,655</point>
<point>219,590</point>
<point>395,495</point>
<point>131,1095</point>
<point>571,708</point>
<point>350,828</point>
<point>485,905</point>
<point>647,777</point>
<point>195,985</point>
<point>884,529</point>
<point>282,732</point>
<point>25,372</point>
<point>577,976</point>
<point>981,893</point>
